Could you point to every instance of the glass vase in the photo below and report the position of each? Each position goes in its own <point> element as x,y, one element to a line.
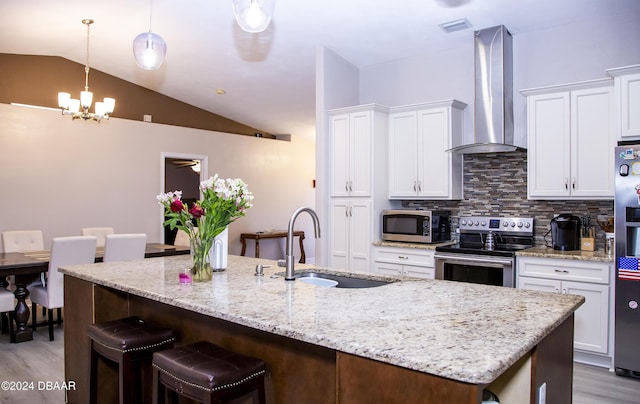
<point>201,270</point>
<point>219,251</point>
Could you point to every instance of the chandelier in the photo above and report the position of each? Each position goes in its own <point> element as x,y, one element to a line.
<point>80,108</point>
<point>253,15</point>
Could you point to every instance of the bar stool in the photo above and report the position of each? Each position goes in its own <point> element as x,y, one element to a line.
<point>127,341</point>
<point>207,373</point>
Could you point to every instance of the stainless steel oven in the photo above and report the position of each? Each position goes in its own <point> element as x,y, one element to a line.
<point>486,250</point>
<point>487,270</point>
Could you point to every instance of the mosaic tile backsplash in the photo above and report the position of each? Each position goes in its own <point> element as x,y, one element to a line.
<point>496,184</point>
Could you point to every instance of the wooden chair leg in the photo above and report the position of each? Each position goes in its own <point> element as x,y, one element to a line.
<point>5,323</point>
<point>33,315</point>
<point>10,324</point>
<point>59,310</point>
<point>50,323</point>
<point>126,386</point>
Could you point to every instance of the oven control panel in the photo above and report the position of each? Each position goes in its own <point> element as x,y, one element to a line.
<point>496,224</point>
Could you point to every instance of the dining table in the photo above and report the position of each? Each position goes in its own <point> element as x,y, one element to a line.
<point>27,266</point>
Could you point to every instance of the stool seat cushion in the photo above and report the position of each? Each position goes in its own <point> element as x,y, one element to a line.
<point>207,366</point>
<point>129,334</point>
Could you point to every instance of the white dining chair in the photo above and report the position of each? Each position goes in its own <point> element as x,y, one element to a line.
<point>7,304</point>
<point>22,241</point>
<point>72,250</point>
<point>99,232</point>
<point>124,247</point>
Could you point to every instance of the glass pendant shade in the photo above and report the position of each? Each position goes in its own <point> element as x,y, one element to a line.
<point>253,15</point>
<point>63,100</point>
<point>100,108</point>
<point>109,105</point>
<point>74,105</point>
<point>86,98</point>
<point>149,50</point>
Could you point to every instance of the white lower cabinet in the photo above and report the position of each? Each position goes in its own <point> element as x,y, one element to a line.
<point>413,262</point>
<point>351,234</point>
<point>590,279</point>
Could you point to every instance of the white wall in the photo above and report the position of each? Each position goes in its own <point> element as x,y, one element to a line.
<point>561,55</point>
<point>60,175</point>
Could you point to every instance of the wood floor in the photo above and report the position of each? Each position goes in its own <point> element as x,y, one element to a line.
<point>41,361</point>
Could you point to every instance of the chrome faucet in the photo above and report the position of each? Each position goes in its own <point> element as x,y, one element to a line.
<point>288,258</point>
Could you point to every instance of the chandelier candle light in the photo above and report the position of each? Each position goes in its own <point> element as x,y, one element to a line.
<point>223,201</point>
<point>71,106</point>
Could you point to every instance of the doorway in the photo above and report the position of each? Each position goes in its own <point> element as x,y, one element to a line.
<point>181,172</point>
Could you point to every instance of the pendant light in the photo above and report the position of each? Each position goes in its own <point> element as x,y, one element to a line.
<point>253,15</point>
<point>71,106</point>
<point>149,49</point>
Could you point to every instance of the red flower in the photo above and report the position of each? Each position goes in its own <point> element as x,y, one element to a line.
<point>177,206</point>
<point>197,211</point>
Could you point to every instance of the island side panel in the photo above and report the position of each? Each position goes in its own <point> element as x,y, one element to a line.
<point>362,380</point>
<point>297,372</point>
<point>78,313</point>
<point>552,363</point>
<point>81,300</point>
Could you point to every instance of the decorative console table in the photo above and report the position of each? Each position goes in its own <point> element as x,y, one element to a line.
<point>257,236</point>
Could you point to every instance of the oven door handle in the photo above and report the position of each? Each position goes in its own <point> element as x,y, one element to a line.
<point>474,258</point>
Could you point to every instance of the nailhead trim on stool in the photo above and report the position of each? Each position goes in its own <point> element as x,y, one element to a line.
<point>206,372</point>
<point>126,341</point>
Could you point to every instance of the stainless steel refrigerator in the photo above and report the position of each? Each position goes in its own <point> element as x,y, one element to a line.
<point>627,260</point>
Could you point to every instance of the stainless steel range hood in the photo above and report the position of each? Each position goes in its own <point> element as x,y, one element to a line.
<point>493,114</point>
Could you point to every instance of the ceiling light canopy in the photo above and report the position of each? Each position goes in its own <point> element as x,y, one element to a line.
<point>149,49</point>
<point>253,15</point>
<point>72,106</point>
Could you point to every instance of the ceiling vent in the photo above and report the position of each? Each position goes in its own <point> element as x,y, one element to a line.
<point>456,25</point>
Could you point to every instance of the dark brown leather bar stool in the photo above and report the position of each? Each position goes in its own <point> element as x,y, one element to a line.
<point>207,373</point>
<point>126,341</point>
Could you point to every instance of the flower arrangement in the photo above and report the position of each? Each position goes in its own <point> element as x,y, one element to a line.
<point>223,201</point>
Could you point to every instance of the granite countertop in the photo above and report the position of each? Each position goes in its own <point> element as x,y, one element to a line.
<point>401,244</point>
<point>462,331</point>
<point>548,252</point>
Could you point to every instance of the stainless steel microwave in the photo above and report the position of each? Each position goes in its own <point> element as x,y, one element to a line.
<point>416,226</point>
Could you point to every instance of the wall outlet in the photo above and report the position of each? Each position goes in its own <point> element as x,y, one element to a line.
<point>542,394</point>
<point>147,118</point>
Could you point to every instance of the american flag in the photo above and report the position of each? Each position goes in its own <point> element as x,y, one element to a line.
<point>629,268</point>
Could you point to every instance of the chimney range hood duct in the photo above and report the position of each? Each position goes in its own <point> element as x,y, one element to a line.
<point>493,114</point>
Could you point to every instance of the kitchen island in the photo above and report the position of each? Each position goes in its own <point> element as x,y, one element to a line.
<point>407,341</point>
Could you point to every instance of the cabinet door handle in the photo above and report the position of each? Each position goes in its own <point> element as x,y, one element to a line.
<point>415,187</point>
<point>557,290</point>
<point>350,212</point>
<point>564,291</point>
<point>346,186</point>
<point>562,271</point>
<point>346,211</point>
<point>573,183</point>
<point>402,257</point>
<point>419,186</point>
<point>566,183</point>
<point>350,186</point>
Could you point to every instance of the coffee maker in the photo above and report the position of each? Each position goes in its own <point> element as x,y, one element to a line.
<point>565,232</point>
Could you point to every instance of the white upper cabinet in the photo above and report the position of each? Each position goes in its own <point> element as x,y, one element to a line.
<point>627,100</point>
<point>352,136</point>
<point>570,141</point>
<point>420,167</point>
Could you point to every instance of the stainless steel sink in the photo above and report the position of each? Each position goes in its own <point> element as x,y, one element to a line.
<point>345,281</point>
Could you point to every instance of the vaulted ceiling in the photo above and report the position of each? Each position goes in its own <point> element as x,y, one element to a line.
<point>269,78</point>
